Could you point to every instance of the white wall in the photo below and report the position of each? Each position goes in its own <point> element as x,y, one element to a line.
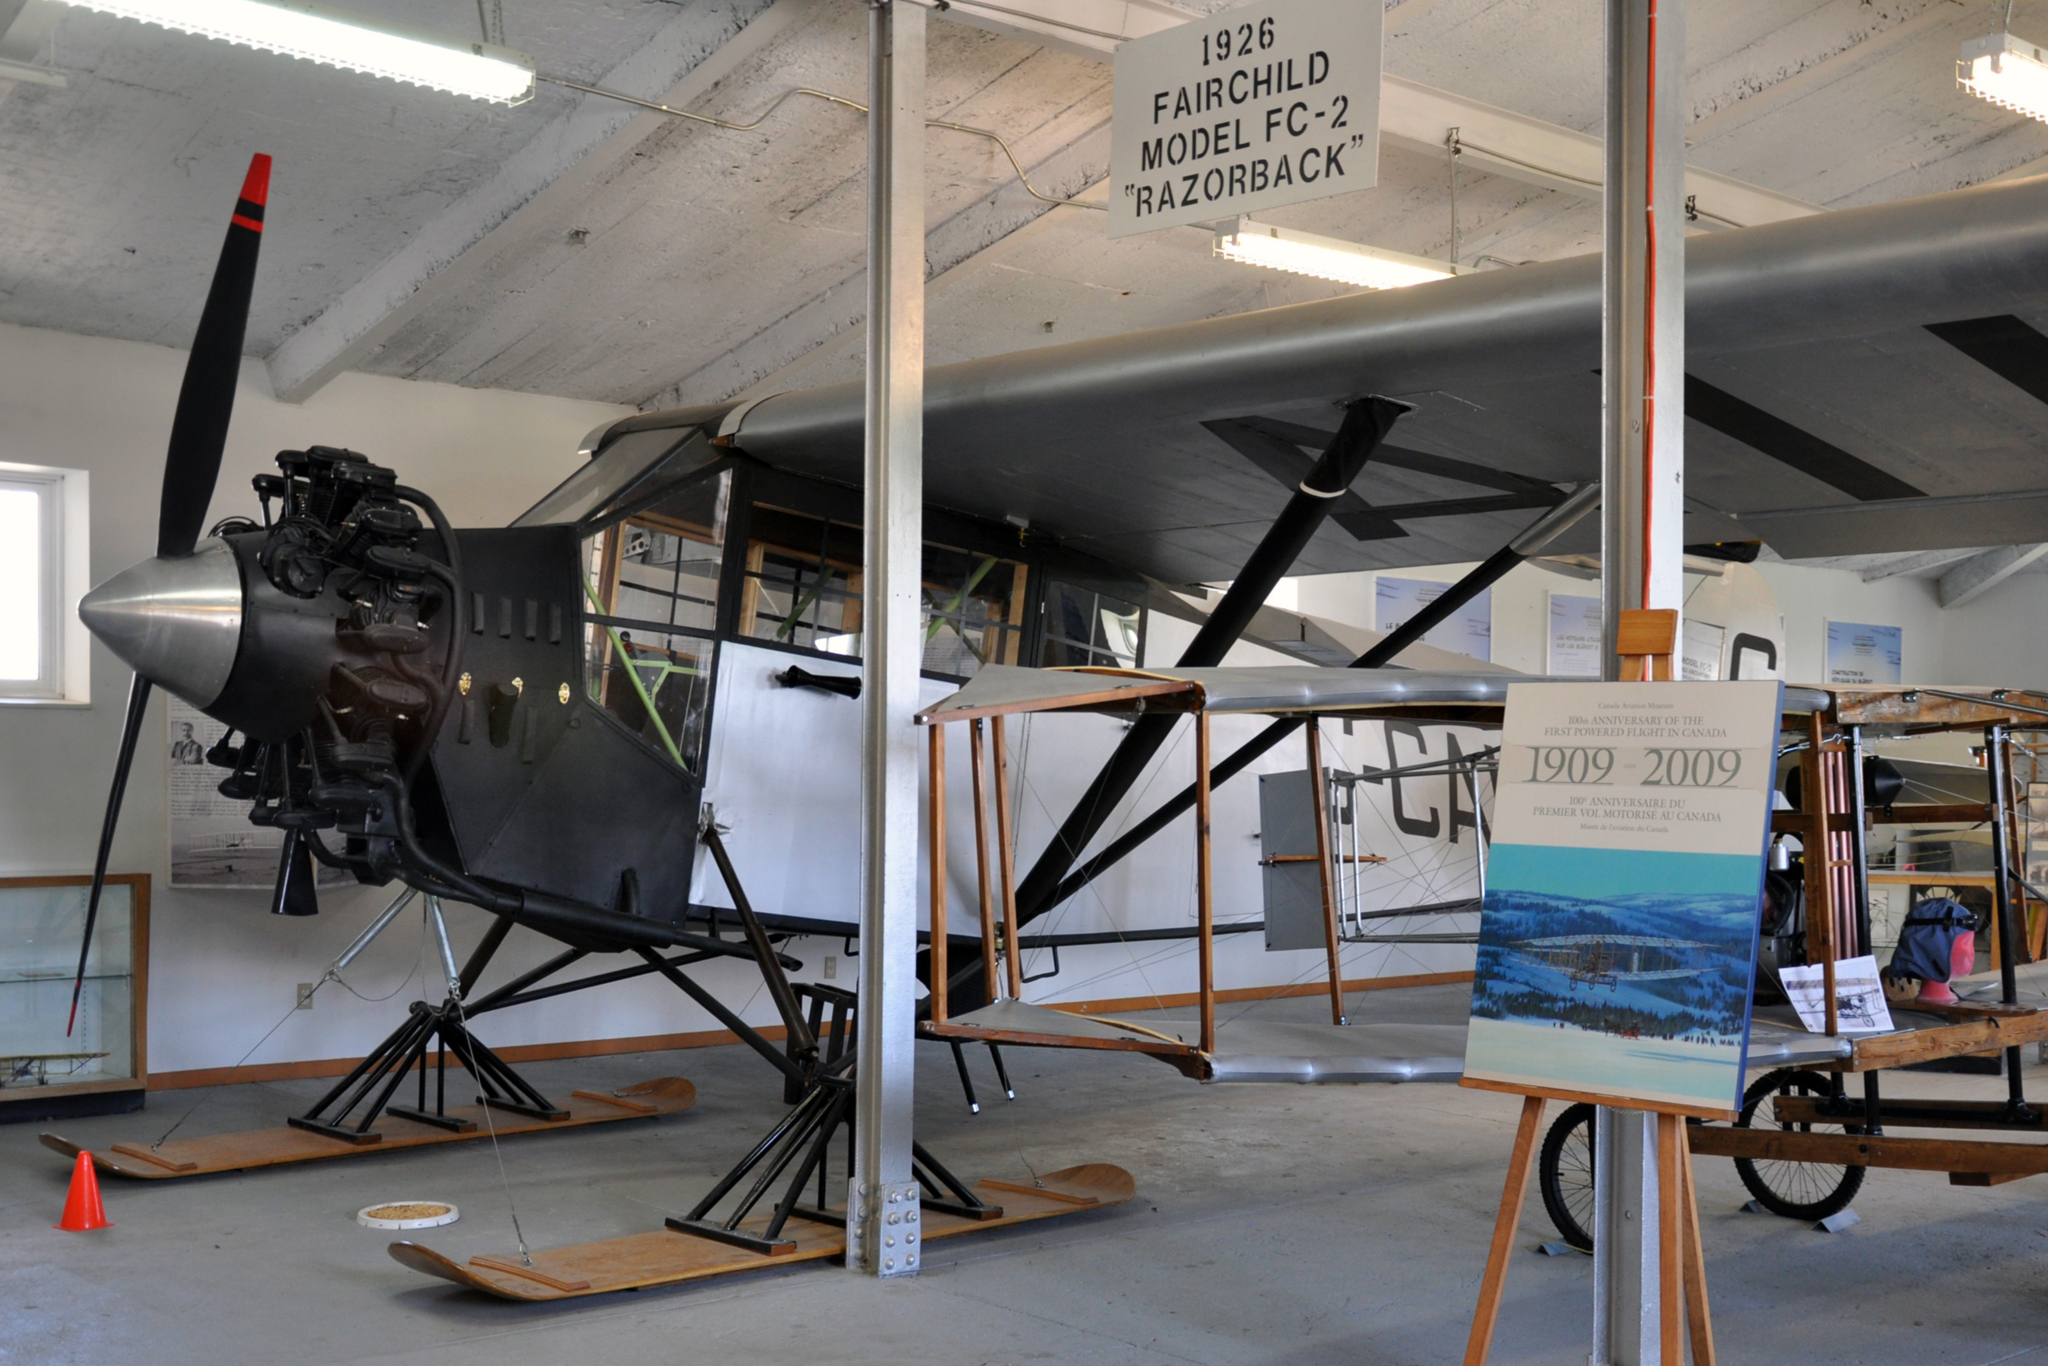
<point>1521,604</point>
<point>222,968</point>
<point>1998,638</point>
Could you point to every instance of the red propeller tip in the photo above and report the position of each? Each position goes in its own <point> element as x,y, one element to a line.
<point>256,189</point>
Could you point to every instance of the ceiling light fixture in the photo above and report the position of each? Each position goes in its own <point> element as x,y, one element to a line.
<point>2006,71</point>
<point>335,37</point>
<point>1326,258</point>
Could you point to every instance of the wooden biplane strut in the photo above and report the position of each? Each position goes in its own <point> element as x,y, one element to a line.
<point>1319,803</point>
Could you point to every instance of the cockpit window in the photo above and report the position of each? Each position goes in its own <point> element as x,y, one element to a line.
<point>651,583</point>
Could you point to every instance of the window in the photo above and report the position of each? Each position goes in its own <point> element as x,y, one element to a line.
<point>973,610</point>
<point>44,650</point>
<point>1086,628</point>
<point>803,582</point>
<point>803,587</point>
<point>654,580</point>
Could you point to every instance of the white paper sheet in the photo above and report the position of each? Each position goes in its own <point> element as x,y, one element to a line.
<point>1859,996</point>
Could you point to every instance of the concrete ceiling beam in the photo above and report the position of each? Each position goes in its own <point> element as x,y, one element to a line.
<point>561,164</point>
<point>1913,564</point>
<point>1412,115</point>
<point>828,325</point>
<point>1980,574</point>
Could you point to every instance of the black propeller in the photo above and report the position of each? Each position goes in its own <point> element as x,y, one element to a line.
<point>199,433</point>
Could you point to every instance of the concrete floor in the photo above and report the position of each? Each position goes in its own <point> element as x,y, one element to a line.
<point>1274,1224</point>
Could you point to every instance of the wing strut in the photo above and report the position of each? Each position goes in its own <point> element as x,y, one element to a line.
<point>1531,542</point>
<point>1366,423</point>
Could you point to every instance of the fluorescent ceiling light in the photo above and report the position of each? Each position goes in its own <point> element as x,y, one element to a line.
<point>2002,69</point>
<point>1326,258</point>
<point>335,37</point>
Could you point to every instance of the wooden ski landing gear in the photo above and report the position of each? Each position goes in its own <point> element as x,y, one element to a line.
<point>666,1257</point>
<point>287,1144</point>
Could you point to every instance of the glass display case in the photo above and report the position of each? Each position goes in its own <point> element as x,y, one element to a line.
<point>100,1067</point>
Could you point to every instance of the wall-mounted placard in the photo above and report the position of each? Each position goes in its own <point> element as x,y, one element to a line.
<point>1617,943</point>
<point>1574,636</point>
<point>1469,630</point>
<point>1864,656</point>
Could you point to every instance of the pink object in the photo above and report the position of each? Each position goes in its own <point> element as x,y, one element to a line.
<point>1962,961</point>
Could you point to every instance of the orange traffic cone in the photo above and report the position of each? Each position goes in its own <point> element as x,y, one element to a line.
<point>82,1208</point>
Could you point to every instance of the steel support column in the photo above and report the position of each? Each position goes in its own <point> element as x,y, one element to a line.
<point>1625,1243</point>
<point>1642,535</point>
<point>883,1233</point>
<point>1642,325</point>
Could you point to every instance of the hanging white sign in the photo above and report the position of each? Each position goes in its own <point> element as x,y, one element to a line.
<point>1248,109</point>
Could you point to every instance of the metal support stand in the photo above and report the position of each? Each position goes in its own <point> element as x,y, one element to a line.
<point>1626,1275</point>
<point>2011,928</point>
<point>412,1046</point>
<point>967,1080</point>
<point>799,1147</point>
<point>891,646</point>
<point>1642,380</point>
<point>1859,858</point>
<point>1642,536</point>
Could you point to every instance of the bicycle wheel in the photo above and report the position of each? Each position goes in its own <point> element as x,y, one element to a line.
<point>1564,1173</point>
<point>1796,1190</point>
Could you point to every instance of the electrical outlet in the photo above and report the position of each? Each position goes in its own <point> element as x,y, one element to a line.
<point>305,996</point>
<point>831,967</point>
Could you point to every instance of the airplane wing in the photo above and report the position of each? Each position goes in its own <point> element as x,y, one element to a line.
<point>1862,380</point>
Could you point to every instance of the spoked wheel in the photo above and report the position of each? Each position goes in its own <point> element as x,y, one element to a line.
<point>1796,1190</point>
<point>1564,1172</point>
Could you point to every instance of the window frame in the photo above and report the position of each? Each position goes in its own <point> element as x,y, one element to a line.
<point>602,535</point>
<point>63,574</point>
<point>1109,658</point>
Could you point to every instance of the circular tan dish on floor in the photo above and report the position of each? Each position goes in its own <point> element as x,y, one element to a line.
<point>407,1214</point>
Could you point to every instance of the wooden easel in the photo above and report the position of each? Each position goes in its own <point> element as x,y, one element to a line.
<point>1646,638</point>
<point>1681,1268</point>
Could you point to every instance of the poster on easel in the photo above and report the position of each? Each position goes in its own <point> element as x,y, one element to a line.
<point>1618,937</point>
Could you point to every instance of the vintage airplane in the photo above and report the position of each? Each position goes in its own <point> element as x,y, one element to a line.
<point>419,692</point>
<point>531,719</point>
